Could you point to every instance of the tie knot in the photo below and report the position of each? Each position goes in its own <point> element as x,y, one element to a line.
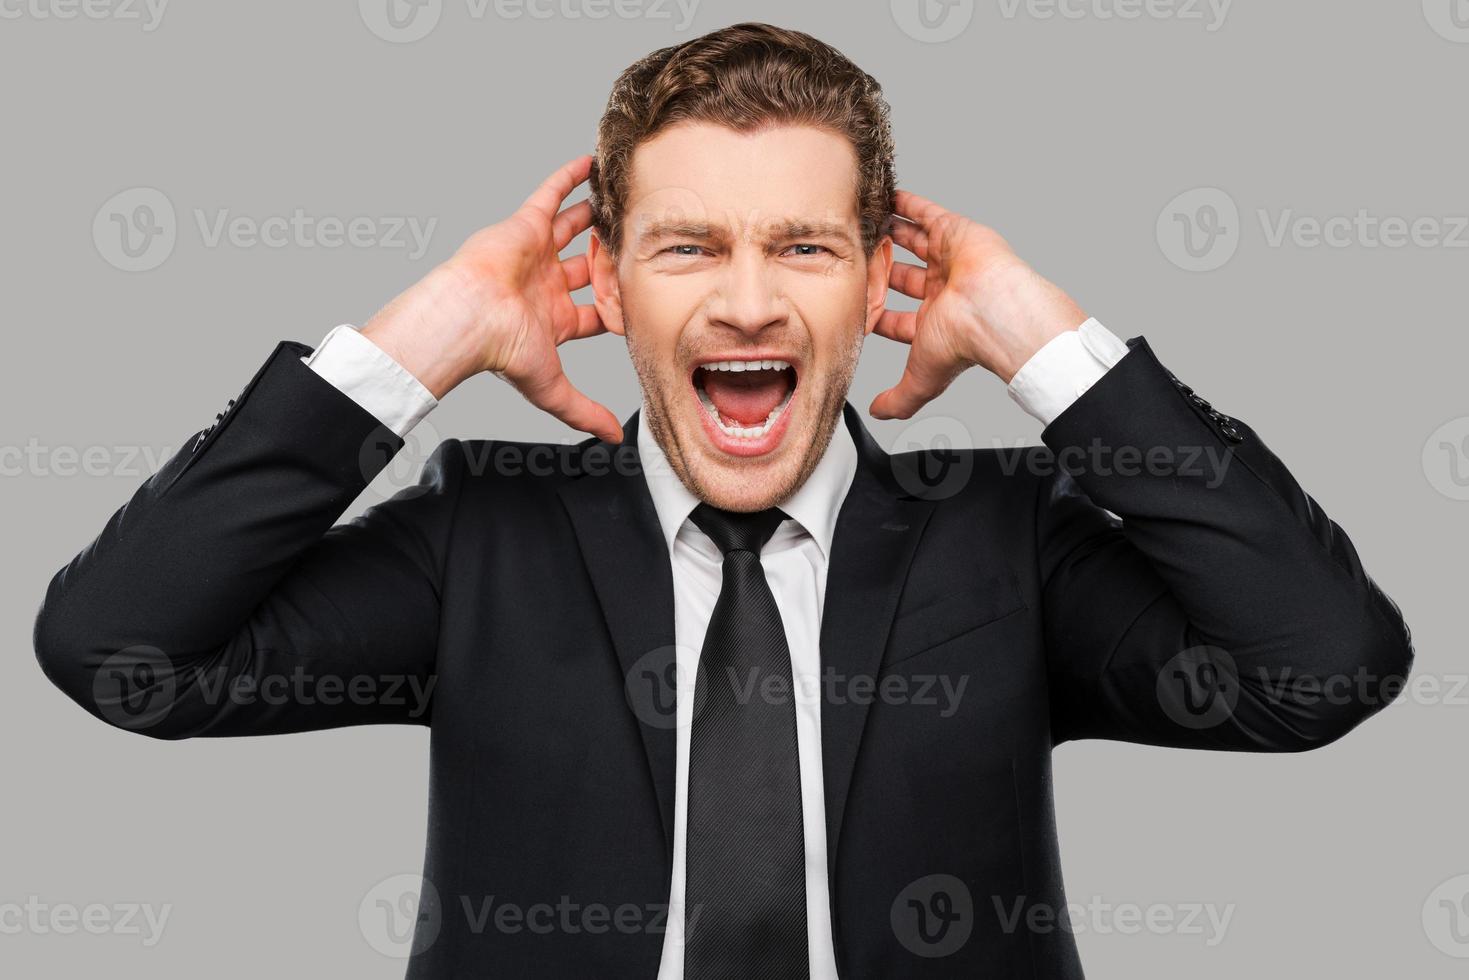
<point>736,531</point>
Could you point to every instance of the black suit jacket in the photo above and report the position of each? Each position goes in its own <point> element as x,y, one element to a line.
<point>1151,574</point>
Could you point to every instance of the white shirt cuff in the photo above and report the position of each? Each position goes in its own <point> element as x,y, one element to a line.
<point>368,375</point>
<point>1061,371</point>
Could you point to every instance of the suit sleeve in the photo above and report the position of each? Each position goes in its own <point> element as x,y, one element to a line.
<point>221,600</point>
<point>1194,595</point>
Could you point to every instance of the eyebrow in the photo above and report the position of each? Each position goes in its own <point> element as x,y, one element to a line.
<point>777,229</point>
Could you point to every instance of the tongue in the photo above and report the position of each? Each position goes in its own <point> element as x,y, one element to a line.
<point>745,397</point>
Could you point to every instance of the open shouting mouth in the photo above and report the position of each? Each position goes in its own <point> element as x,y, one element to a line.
<point>745,403</point>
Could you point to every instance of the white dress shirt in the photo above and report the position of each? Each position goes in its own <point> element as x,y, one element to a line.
<point>794,560</point>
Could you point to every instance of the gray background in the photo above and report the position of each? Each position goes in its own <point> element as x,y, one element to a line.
<point>1070,134</point>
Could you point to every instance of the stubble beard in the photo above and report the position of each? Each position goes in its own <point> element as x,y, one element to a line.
<point>662,390</point>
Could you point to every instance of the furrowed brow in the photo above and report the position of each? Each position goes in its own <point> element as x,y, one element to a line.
<point>779,229</point>
<point>804,228</point>
<point>660,229</point>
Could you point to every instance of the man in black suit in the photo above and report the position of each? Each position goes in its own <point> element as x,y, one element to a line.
<point>728,687</point>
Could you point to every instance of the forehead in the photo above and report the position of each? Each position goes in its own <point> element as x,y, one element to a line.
<point>700,172</point>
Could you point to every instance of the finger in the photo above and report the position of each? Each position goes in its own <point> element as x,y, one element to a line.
<point>914,390</point>
<point>911,237</point>
<point>560,397</point>
<point>908,279</point>
<point>915,208</point>
<point>547,198</point>
<point>589,321</point>
<point>899,325</point>
<point>571,222</point>
<point>577,270</point>
<point>588,324</point>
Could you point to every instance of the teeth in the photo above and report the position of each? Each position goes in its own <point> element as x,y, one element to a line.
<point>766,365</point>
<point>742,431</point>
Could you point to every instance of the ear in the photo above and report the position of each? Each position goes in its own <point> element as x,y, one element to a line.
<point>607,295</point>
<point>879,269</point>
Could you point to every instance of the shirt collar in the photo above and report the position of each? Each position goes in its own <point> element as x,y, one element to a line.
<point>814,505</point>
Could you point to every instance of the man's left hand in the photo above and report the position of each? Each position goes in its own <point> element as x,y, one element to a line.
<point>980,304</point>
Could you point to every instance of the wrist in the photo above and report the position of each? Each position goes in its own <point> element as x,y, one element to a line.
<point>429,331</point>
<point>1022,313</point>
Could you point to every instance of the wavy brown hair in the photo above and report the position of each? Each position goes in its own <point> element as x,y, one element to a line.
<point>745,76</point>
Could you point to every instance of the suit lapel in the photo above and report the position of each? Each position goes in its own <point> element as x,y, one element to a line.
<point>622,544</point>
<point>877,531</point>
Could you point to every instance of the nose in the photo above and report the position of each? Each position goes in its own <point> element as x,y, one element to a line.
<point>747,299</point>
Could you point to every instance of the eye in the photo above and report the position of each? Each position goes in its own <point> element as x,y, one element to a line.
<point>693,250</point>
<point>815,249</point>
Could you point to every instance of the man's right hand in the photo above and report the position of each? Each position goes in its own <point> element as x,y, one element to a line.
<point>502,304</point>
